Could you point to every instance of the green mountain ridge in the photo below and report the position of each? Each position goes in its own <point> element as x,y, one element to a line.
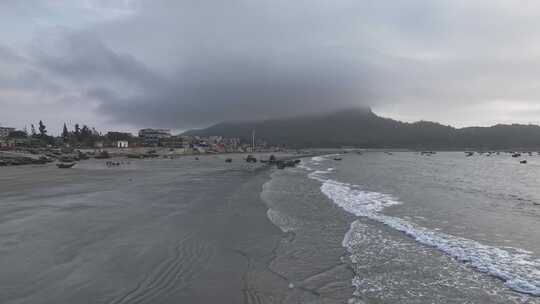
<point>364,129</point>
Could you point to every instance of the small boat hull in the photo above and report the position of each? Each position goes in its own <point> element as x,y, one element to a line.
<point>65,166</point>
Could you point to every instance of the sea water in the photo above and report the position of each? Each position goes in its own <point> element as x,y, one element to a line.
<point>444,228</point>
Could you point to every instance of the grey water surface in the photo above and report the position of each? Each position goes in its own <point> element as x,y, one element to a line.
<point>370,228</point>
<point>444,228</point>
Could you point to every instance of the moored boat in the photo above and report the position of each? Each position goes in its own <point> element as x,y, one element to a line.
<point>65,166</point>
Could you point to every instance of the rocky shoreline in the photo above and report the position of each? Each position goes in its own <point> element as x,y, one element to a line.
<point>45,156</point>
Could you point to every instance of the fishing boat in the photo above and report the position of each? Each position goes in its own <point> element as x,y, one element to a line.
<point>135,155</point>
<point>102,155</point>
<point>65,166</point>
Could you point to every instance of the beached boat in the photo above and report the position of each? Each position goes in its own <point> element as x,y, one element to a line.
<point>102,155</point>
<point>65,166</point>
<point>134,155</point>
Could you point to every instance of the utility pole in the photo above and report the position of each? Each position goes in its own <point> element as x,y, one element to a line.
<point>253,140</point>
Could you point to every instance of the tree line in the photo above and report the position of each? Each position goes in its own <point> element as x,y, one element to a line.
<point>84,135</point>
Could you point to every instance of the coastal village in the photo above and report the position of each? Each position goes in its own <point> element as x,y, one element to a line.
<point>21,147</point>
<point>80,143</point>
<point>88,138</point>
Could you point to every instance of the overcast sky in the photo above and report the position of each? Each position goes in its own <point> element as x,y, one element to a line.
<point>128,64</point>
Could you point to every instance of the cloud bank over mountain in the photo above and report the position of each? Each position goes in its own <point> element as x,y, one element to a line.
<point>183,64</point>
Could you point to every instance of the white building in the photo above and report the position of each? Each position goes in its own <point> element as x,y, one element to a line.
<point>121,144</point>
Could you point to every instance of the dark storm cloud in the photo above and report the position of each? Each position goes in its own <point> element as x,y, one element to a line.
<point>190,63</point>
<point>207,88</point>
<point>80,57</point>
<point>210,90</point>
<point>19,73</point>
<point>233,66</point>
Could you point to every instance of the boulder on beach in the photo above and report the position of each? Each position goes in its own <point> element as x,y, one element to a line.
<point>102,155</point>
<point>18,159</point>
<point>282,164</point>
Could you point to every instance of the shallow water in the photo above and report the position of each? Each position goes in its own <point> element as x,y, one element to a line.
<point>425,229</point>
<point>372,228</point>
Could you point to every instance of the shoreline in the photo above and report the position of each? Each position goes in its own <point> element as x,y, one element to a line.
<point>11,158</point>
<point>309,255</point>
<point>166,229</point>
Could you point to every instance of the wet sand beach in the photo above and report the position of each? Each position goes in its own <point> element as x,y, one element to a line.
<point>148,231</point>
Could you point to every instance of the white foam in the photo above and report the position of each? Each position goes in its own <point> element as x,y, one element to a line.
<point>317,159</point>
<point>284,222</point>
<point>519,270</point>
<point>303,165</point>
<point>314,161</point>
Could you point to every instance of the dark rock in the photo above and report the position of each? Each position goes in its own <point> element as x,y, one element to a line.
<point>83,156</point>
<point>65,165</point>
<point>103,155</point>
<point>282,164</point>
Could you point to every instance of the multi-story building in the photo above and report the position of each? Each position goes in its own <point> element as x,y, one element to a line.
<point>4,131</point>
<point>151,137</point>
<point>115,136</point>
<point>172,142</point>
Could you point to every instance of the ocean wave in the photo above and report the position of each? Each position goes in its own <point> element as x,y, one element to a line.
<point>317,159</point>
<point>303,165</point>
<point>321,158</point>
<point>519,270</point>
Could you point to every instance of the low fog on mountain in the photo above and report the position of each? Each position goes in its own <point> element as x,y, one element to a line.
<point>186,64</point>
